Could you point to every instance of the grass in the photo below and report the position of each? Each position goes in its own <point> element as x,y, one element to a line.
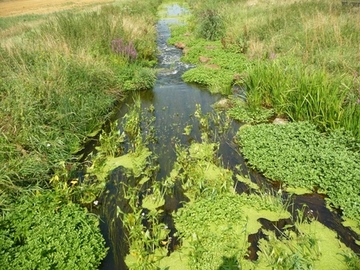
<point>299,58</point>
<point>59,82</point>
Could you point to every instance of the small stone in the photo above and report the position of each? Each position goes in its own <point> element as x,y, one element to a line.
<point>180,45</point>
<point>213,66</point>
<point>204,59</point>
<point>280,121</point>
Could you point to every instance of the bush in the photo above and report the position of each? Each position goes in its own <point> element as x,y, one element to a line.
<point>42,233</point>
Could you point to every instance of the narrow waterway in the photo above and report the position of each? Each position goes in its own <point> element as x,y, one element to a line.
<point>173,104</point>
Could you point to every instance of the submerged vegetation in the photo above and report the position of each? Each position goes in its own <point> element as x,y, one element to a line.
<point>214,224</point>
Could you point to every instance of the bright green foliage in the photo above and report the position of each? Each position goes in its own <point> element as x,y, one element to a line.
<point>218,81</point>
<point>135,78</point>
<point>300,156</point>
<point>199,172</point>
<point>251,115</point>
<point>217,238</point>
<point>214,235</point>
<point>41,232</point>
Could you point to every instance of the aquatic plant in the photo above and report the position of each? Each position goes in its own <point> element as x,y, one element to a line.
<point>298,155</point>
<point>218,81</point>
<point>241,111</point>
<point>43,231</point>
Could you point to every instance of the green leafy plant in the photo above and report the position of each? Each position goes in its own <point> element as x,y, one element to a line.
<point>251,115</point>
<point>40,231</point>
<point>300,156</point>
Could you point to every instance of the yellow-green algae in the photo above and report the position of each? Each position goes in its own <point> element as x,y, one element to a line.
<point>152,202</point>
<point>354,225</point>
<point>134,161</point>
<point>298,190</point>
<point>315,247</point>
<point>219,227</point>
<point>247,181</point>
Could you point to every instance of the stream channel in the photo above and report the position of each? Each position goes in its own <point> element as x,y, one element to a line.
<point>173,104</point>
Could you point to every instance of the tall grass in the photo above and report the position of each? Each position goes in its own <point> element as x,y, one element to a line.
<point>302,57</point>
<point>59,81</point>
<point>304,93</point>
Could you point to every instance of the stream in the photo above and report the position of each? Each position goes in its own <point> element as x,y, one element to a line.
<point>173,104</point>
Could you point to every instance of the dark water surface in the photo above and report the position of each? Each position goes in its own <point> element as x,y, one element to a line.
<point>174,103</point>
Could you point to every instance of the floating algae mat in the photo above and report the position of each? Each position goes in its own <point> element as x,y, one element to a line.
<point>170,201</point>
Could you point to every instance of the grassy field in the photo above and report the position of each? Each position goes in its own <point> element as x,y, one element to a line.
<point>26,7</point>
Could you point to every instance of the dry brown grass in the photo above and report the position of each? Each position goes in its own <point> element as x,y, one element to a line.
<point>21,7</point>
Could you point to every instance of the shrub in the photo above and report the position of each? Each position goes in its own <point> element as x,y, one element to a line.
<point>124,49</point>
<point>42,233</point>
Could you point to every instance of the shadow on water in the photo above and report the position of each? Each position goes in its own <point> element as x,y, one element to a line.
<point>174,104</point>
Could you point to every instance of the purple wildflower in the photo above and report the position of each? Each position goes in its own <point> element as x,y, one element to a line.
<point>123,48</point>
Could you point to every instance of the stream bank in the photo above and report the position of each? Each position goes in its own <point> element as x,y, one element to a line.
<point>179,112</point>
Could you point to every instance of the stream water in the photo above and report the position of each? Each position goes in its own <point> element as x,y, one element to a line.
<point>173,104</point>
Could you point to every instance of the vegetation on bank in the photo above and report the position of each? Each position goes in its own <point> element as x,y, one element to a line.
<point>287,59</point>
<point>297,58</point>
<point>298,155</point>
<point>59,84</point>
<point>61,75</point>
